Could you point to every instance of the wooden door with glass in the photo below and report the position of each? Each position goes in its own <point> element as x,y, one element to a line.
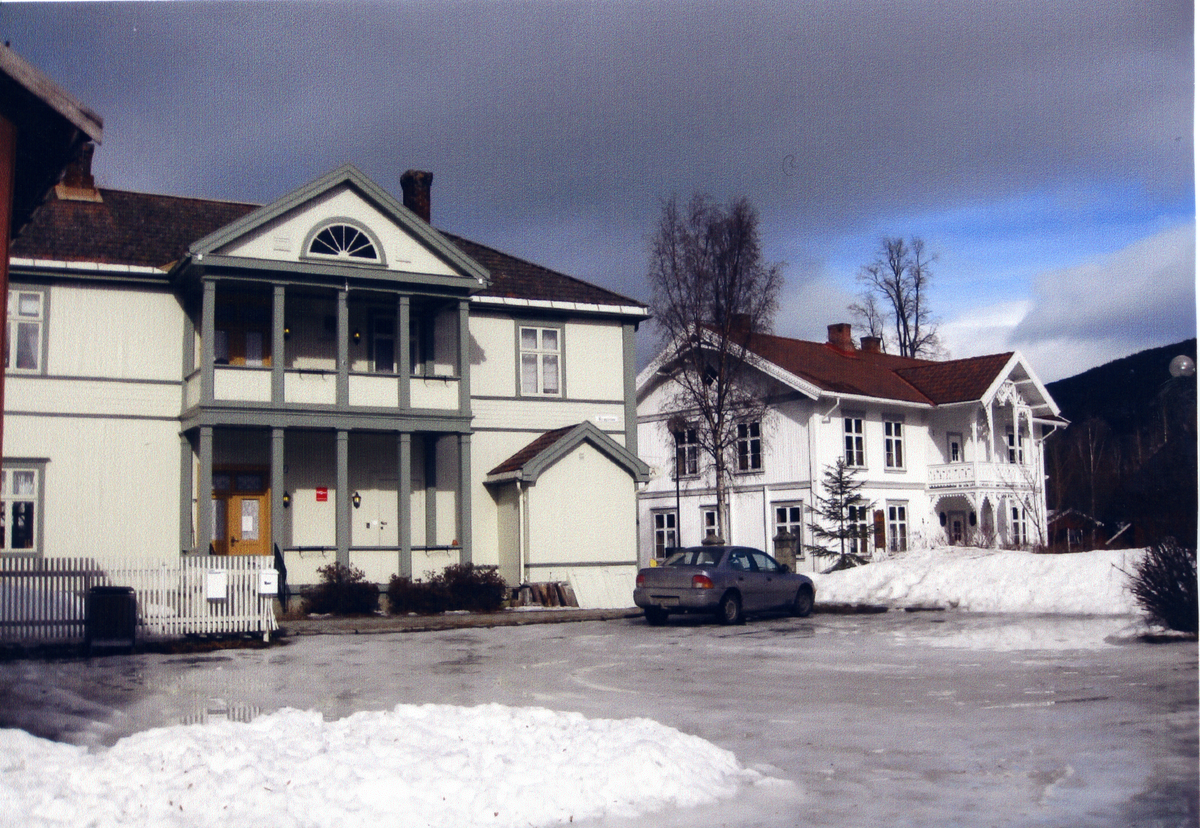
<point>241,512</point>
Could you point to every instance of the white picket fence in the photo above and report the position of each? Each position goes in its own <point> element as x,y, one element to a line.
<point>43,600</point>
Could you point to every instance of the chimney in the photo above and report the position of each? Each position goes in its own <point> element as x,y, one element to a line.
<point>840,337</point>
<point>78,183</point>
<point>415,185</point>
<point>872,345</point>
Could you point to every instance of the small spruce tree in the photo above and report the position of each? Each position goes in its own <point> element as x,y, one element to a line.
<point>835,524</point>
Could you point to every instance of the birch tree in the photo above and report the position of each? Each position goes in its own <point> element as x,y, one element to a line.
<point>896,289</point>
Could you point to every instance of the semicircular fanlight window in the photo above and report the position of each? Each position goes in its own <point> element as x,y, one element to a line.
<point>344,242</point>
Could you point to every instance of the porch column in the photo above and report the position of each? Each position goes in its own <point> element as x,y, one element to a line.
<point>991,435</point>
<point>431,444</point>
<point>403,354</point>
<point>277,345</point>
<point>465,489</point>
<point>464,357</point>
<point>185,493</point>
<point>208,332</point>
<point>204,503</point>
<point>404,497</point>
<point>342,526</point>
<point>343,350</point>
<point>277,489</point>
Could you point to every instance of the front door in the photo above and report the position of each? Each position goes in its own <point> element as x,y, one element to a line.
<point>958,522</point>
<point>241,512</point>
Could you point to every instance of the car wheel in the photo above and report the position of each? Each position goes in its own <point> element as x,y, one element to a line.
<point>730,609</point>
<point>802,607</point>
<point>656,616</point>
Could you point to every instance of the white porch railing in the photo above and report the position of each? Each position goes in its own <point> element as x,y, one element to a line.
<point>982,476</point>
<point>44,599</point>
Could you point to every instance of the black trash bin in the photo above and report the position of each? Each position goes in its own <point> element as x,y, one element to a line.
<point>111,618</point>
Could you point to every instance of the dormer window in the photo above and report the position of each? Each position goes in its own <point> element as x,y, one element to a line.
<point>345,241</point>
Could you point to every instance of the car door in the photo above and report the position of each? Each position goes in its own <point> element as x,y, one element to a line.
<point>776,586</point>
<point>748,580</point>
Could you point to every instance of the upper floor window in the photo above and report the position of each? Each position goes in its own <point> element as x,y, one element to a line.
<point>344,241</point>
<point>541,361</point>
<point>893,444</point>
<point>687,453</point>
<point>852,430</point>
<point>749,446</point>
<point>954,447</point>
<point>26,315</point>
<point>1016,448</point>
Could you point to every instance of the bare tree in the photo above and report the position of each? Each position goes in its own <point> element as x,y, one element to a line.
<point>710,292</point>
<point>898,279</point>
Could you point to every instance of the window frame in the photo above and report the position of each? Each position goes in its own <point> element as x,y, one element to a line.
<point>307,254</point>
<point>955,439</point>
<point>687,452</point>
<point>1019,525</point>
<point>541,353</point>
<point>662,533</point>
<point>709,524</point>
<point>857,515</point>
<point>893,443</point>
<point>12,343</point>
<point>798,523</point>
<point>749,447</point>
<point>1016,447</point>
<point>38,498</point>
<point>854,444</point>
<point>897,525</point>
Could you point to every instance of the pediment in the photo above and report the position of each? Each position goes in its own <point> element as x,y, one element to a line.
<point>342,221</point>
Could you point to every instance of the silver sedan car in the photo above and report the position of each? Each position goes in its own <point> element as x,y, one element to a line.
<point>728,581</point>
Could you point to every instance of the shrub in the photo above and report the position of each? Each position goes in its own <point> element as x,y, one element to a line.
<point>458,587</point>
<point>344,590</point>
<point>1164,584</point>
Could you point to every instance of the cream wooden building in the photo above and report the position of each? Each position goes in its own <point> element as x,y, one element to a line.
<point>947,451</point>
<point>327,374</point>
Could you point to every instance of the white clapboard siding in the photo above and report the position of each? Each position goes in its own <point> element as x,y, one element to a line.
<point>44,599</point>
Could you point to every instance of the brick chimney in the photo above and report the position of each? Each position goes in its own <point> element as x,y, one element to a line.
<point>841,337</point>
<point>872,345</point>
<point>78,183</point>
<point>415,185</point>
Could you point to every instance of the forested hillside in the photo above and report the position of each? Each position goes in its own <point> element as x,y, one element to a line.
<point>1129,454</point>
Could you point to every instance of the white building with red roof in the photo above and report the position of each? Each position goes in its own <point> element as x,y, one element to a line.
<point>947,451</point>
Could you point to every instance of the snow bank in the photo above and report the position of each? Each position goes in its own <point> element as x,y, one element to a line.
<point>429,765</point>
<point>982,580</point>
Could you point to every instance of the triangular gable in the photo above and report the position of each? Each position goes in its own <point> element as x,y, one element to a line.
<point>529,463</point>
<point>1031,388</point>
<point>281,233</point>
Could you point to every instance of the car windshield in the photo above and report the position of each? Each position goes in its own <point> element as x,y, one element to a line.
<point>695,557</point>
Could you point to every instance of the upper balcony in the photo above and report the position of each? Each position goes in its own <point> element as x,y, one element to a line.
<point>965,476</point>
<point>332,349</point>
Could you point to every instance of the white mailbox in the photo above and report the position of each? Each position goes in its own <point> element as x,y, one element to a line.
<point>216,584</point>
<point>268,582</point>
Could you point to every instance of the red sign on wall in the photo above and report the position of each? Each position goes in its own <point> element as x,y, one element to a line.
<point>322,494</point>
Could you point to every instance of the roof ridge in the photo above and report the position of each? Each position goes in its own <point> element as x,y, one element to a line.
<point>180,197</point>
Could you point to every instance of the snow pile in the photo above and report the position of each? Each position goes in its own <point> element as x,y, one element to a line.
<point>429,765</point>
<point>984,580</point>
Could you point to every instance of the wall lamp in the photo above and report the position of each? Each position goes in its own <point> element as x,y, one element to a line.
<point>356,499</point>
<point>287,500</point>
<point>356,336</point>
<point>287,332</point>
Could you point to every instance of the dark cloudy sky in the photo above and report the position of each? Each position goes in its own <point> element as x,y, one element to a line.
<point>1044,151</point>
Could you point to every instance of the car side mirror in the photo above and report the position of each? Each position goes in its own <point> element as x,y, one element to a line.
<point>784,568</point>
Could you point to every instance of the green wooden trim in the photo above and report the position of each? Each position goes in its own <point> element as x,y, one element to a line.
<point>204,504</point>
<point>404,502</point>
<point>342,525</point>
<point>464,498</point>
<point>185,492</point>
<point>278,484</point>
<point>306,255</point>
<point>584,432</point>
<point>278,344</point>
<point>629,365</point>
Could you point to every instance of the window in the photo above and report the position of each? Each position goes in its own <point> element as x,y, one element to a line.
<point>789,518</point>
<point>342,241</point>
<point>749,447</point>
<point>1020,527</point>
<point>19,498</point>
<point>852,428</point>
<point>687,453</point>
<point>709,521</point>
<point>540,362</point>
<point>26,314</point>
<point>893,444</point>
<point>383,344</point>
<point>665,533</point>
<point>1016,448</point>
<point>897,528</point>
<point>954,447</point>
<point>860,540</point>
<point>242,335</point>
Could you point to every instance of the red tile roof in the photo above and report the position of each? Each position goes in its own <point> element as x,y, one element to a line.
<point>883,376</point>
<point>518,460</point>
<point>127,228</point>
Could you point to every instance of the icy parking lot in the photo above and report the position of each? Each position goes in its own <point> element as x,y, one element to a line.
<point>921,719</point>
